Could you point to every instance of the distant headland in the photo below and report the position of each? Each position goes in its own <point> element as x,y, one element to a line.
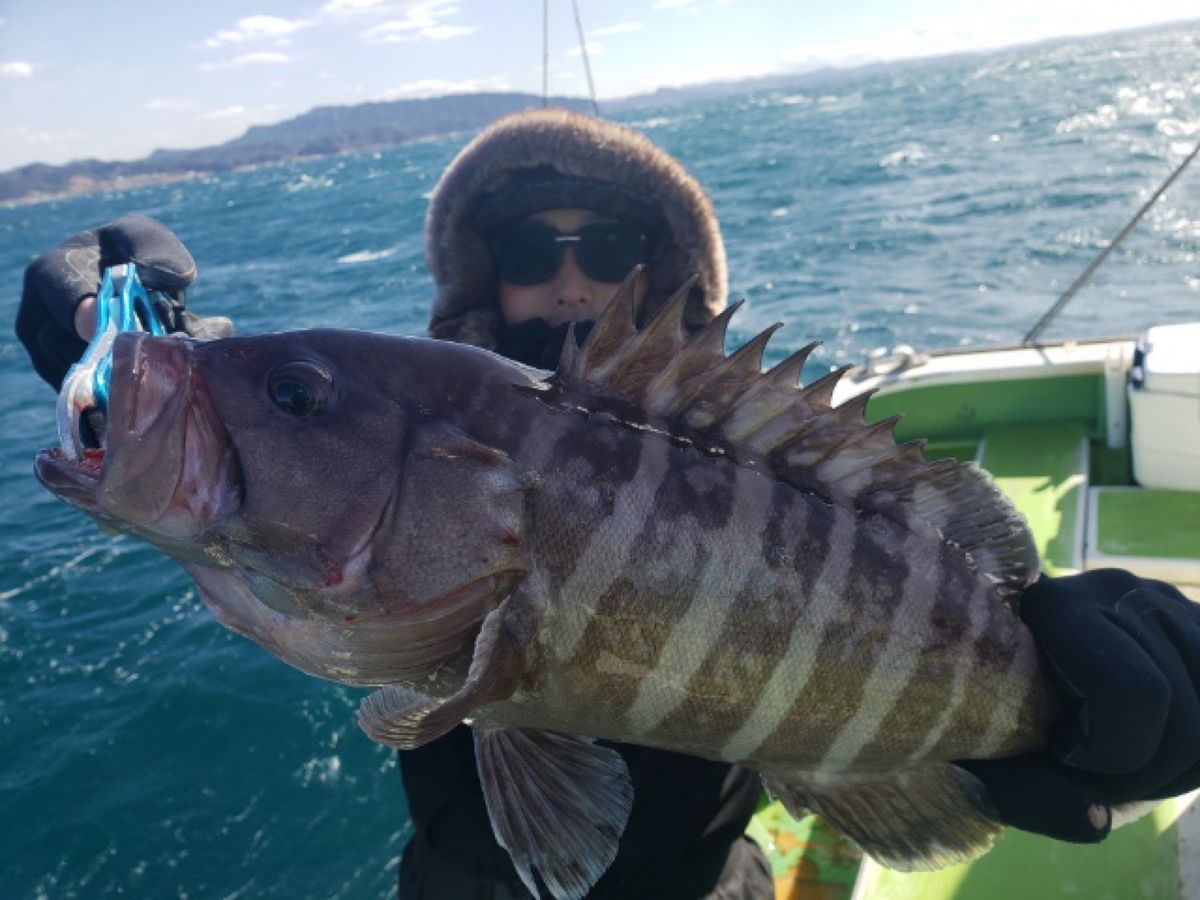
<point>333,130</point>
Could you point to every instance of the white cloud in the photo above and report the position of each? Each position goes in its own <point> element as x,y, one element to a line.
<point>436,87</point>
<point>247,59</point>
<point>385,30</point>
<point>163,105</point>
<point>619,28</point>
<point>674,4</point>
<point>257,28</point>
<point>334,7</point>
<point>229,112</point>
<point>243,114</point>
<point>421,22</point>
<point>402,31</point>
<point>441,32</point>
<point>16,69</point>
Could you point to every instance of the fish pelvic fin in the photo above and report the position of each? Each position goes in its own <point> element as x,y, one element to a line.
<point>557,803</point>
<point>921,819</point>
<point>685,384</point>
<point>402,716</point>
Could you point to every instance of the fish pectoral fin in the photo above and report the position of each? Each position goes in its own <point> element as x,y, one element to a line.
<point>400,715</point>
<point>557,803</point>
<point>925,818</point>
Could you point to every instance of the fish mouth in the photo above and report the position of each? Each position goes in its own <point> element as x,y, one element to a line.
<point>167,465</point>
<point>73,480</point>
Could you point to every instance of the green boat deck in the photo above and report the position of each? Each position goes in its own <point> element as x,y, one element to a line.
<point>1117,534</point>
<point>1046,441</point>
<point>1043,468</point>
<point>1137,862</point>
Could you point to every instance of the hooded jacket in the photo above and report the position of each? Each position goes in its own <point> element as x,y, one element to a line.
<point>610,168</point>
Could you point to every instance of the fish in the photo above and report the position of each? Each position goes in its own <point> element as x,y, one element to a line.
<point>657,543</point>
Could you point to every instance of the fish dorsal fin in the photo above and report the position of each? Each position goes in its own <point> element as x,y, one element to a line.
<point>687,386</point>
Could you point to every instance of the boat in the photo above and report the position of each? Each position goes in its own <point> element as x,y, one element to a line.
<point>1097,442</point>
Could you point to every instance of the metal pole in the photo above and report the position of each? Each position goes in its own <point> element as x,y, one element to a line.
<point>1079,282</point>
<point>545,52</point>
<point>587,68</point>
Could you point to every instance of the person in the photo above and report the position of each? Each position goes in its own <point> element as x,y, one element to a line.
<point>528,231</point>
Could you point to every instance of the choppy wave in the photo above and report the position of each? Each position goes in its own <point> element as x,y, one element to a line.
<point>363,256</point>
<point>310,183</point>
<point>908,155</point>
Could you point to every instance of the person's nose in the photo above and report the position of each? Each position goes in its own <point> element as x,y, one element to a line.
<point>577,297</point>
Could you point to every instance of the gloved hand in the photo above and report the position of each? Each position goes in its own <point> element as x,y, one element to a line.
<point>1125,653</point>
<point>58,281</point>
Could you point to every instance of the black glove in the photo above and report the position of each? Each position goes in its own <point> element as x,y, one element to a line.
<point>1125,654</point>
<point>57,281</point>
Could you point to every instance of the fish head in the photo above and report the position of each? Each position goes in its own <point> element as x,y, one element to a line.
<point>167,470</point>
<point>314,470</point>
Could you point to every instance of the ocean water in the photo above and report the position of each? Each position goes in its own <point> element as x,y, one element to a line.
<point>145,751</point>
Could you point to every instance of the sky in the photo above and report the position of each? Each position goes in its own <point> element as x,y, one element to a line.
<point>118,79</point>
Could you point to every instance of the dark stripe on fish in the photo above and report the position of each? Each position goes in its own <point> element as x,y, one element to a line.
<point>922,701</point>
<point>730,681</point>
<point>598,462</point>
<point>991,652</point>
<point>624,638</point>
<point>821,562</point>
<point>833,693</point>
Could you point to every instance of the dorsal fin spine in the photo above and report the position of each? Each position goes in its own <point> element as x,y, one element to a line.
<point>673,389</point>
<point>726,404</point>
<point>820,392</point>
<point>613,331</point>
<point>787,373</point>
<point>750,354</point>
<point>654,346</point>
<point>758,421</point>
<point>732,379</point>
<point>568,359</point>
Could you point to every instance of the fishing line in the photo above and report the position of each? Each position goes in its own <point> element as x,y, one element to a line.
<point>1084,276</point>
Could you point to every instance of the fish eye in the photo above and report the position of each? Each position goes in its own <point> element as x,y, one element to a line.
<point>300,388</point>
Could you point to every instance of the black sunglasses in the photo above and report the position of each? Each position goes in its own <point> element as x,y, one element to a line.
<point>531,252</point>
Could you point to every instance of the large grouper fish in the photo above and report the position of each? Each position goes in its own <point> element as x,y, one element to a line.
<point>656,544</point>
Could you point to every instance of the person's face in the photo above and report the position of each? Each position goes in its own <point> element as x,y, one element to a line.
<point>568,295</point>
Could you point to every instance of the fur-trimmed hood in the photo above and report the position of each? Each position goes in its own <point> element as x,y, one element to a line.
<point>554,140</point>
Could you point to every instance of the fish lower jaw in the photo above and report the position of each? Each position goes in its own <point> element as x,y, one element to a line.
<point>74,480</point>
